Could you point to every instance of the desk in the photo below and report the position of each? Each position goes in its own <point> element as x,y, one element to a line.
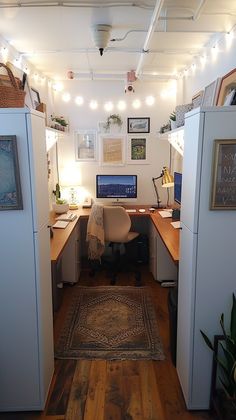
<point>67,241</point>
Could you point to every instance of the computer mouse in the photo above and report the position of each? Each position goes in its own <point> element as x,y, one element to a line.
<point>142,210</point>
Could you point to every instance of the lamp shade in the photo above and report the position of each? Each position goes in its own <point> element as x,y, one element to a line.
<point>167,178</point>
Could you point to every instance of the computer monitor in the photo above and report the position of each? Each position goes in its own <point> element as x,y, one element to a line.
<point>177,187</point>
<point>116,187</point>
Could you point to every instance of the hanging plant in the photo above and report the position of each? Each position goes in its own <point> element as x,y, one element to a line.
<point>113,119</point>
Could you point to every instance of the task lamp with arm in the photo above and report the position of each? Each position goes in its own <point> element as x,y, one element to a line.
<point>167,182</point>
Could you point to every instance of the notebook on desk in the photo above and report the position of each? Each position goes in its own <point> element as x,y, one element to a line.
<point>165,213</point>
<point>67,217</point>
<point>176,225</point>
<point>60,224</point>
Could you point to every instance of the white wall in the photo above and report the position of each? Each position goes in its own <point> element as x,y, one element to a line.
<point>84,118</point>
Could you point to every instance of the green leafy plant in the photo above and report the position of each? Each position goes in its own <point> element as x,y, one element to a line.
<point>114,119</point>
<point>57,193</point>
<point>227,361</point>
<point>173,116</point>
<point>60,120</point>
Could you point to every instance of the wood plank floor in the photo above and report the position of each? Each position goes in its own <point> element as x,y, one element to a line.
<point>115,390</point>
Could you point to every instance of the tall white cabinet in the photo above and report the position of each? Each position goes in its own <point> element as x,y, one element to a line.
<point>26,325</point>
<point>207,268</point>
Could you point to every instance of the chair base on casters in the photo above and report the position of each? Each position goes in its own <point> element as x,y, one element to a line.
<point>120,263</point>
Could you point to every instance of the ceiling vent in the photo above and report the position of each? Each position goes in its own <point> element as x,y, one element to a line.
<point>101,36</point>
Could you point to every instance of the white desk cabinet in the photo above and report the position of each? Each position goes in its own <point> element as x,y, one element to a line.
<point>26,328</point>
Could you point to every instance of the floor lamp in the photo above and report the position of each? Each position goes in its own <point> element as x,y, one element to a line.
<point>167,182</point>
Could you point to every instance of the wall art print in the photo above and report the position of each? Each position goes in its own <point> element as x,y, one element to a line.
<point>10,188</point>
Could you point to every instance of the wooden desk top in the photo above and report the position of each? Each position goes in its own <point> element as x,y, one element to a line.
<point>169,235</point>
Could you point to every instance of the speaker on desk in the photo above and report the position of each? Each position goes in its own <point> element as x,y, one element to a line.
<point>176,214</point>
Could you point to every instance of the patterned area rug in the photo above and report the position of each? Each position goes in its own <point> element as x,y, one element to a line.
<point>110,323</point>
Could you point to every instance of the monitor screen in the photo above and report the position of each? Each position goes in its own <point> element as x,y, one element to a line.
<point>116,186</point>
<point>177,187</point>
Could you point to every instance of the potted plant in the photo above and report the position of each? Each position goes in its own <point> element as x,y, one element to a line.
<point>173,120</point>
<point>59,123</point>
<point>113,119</point>
<point>60,206</point>
<point>226,397</point>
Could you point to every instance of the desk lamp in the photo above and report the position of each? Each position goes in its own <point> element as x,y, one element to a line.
<point>70,180</point>
<point>167,182</point>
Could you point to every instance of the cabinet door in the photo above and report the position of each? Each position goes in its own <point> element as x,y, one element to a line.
<point>165,266</point>
<point>70,259</point>
<point>186,310</point>
<point>152,250</point>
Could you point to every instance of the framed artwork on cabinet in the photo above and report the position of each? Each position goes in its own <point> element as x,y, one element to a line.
<point>10,188</point>
<point>223,190</point>
<point>85,145</point>
<point>210,93</point>
<point>137,150</point>
<point>227,84</point>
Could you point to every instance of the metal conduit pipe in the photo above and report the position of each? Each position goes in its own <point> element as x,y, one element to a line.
<point>154,19</point>
<point>199,9</point>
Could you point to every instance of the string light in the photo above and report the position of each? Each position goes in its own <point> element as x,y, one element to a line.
<point>136,104</point>
<point>121,105</point>
<point>150,100</point>
<point>79,100</point>
<point>108,106</point>
<point>93,104</point>
<point>66,97</point>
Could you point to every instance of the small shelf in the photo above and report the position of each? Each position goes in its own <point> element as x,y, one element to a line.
<point>175,138</point>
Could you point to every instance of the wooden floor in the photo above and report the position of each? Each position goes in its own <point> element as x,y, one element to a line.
<point>115,390</point>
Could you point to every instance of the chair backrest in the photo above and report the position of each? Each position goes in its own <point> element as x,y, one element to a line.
<point>117,223</point>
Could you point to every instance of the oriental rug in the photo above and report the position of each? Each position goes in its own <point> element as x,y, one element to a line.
<point>111,323</point>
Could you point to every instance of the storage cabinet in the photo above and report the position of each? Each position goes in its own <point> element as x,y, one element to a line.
<point>26,326</point>
<point>207,264</point>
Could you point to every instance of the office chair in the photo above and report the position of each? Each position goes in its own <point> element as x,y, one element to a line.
<point>117,223</point>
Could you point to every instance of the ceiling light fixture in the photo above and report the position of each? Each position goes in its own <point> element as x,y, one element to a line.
<point>101,36</point>
<point>79,100</point>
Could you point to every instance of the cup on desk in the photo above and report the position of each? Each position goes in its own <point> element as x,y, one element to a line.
<point>176,214</point>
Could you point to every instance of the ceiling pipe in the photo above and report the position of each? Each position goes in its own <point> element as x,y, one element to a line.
<point>198,11</point>
<point>154,19</point>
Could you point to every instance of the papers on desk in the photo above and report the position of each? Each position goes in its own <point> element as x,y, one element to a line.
<point>67,217</point>
<point>176,225</point>
<point>165,213</point>
<point>60,224</point>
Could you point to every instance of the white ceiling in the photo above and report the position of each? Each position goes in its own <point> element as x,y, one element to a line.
<point>58,38</point>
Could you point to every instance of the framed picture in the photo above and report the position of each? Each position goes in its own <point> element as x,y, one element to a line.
<point>10,189</point>
<point>138,125</point>
<point>223,194</point>
<point>112,149</point>
<point>228,82</point>
<point>85,145</point>
<point>137,150</point>
<point>211,93</point>
<point>102,128</point>
<point>197,99</point>
<point>34,97</point>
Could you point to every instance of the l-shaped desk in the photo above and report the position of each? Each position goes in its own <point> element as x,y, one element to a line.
<point>66,244</point>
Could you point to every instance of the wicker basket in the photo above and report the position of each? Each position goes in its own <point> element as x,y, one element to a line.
<point>11,96</point>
